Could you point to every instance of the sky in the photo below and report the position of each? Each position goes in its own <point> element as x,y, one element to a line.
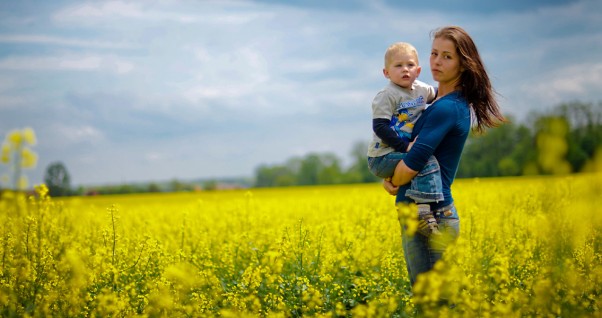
<point>138,91</point>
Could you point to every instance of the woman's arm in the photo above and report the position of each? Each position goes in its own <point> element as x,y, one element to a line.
<point>403,174</point>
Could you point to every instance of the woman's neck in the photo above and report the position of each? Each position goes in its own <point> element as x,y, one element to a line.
<point>443,90</point>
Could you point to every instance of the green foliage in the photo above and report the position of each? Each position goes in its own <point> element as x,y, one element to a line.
<point>560,141</point>
<point>57,180</point>
<point>315,168</point>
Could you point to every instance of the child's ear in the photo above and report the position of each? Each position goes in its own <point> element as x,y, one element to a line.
<point>418,69</point>
<point>385,73</point>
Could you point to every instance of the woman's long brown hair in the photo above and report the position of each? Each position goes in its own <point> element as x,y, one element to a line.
<point>474,84</point>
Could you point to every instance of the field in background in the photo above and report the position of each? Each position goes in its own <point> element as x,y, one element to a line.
<point>528,247</point>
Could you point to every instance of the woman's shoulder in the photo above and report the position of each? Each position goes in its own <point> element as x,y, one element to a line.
<point>451,99</point>
<point>449,105</point>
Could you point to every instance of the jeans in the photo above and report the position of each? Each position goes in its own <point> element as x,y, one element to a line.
<point>426,187</point>
<point>422,252</point>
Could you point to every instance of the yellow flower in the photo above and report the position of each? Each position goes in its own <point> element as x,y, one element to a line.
<point>42,190</point>
<point>23,182</point>
<point>407,214</point>
<point>15,137</point>
<point>5,156</point>
<point>29,158</point>
<point>29,136</point>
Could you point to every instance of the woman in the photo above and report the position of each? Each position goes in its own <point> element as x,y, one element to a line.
<point>464,92</point>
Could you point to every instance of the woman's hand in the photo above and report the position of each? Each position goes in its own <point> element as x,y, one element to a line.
<point>389,187</point>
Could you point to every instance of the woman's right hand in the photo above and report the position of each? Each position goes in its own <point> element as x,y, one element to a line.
<point>389,187</point>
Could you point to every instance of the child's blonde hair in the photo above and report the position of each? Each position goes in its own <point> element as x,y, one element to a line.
<point>399,47</point>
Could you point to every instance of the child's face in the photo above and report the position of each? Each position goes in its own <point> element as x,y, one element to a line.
<point>402,69</point>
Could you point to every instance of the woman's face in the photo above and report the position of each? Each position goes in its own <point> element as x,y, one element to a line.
<point>445,62</point>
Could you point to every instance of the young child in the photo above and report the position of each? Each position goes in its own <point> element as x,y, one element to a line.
<point>395,109</point>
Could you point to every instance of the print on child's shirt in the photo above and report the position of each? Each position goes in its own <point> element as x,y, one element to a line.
<point>405,116</point>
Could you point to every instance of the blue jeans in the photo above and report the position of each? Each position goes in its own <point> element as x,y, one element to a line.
<point>426,187</point>
<point>422,252</point>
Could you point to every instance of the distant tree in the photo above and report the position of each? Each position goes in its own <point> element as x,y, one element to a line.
<point>358,171</point>
<point>585,135</point>
<point>582,134</point>
<point>125,189</point>
<point>57,180</point>
<point>552,146</point>
<point>274,176</point>
<point>178,186</point>
<point>153,187</point>
<point>330,171</point>
<point>310,167</point>
<point>210,185</point>
<point>501,151</point>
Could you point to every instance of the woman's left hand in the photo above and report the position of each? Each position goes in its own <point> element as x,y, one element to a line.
<point>389,187</point>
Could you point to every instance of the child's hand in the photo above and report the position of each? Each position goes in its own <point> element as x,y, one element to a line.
<point>389,187</point>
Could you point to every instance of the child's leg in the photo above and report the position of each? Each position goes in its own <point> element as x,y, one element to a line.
<point>384,166</point>
<point>425,188</point>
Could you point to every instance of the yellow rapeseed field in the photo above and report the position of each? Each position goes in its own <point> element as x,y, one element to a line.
<point>529,247</point>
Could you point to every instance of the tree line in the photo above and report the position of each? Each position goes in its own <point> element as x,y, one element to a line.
<point>564,140</point>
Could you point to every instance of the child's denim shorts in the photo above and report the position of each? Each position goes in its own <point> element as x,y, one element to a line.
<point>426,187</point>
<point>384,166</point>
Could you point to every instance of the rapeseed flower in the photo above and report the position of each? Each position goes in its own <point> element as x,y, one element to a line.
<point>529,250</point>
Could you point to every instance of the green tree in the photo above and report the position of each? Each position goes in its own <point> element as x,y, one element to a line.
<point>330,171</point>
<point>309,170</point>
<point>57,180</point>
<point>585,136</point>
<point>358,171</point>
<point>153,187</point>
<point>274,176</point>
<point>552,146</point>
<point>498,152</point>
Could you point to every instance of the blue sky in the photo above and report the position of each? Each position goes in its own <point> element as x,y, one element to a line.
<point>127,91</point>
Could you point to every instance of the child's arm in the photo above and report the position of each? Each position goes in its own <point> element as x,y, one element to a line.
<point>383,130</point>
<point>433,92</point>
<point>430,92</point>
<point>383,107</point>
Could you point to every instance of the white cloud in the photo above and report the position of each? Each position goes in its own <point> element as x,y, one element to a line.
<point>67,63</point>
<point>100,10</point>
<point>228,75</point>
<point>572,82</point>
<point>205,12</point>
<point>76,134</point>
<point>62,41</point>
